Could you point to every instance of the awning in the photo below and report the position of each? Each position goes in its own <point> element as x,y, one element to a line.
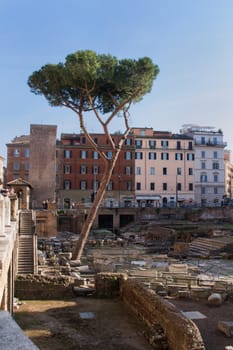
<point>148,198</point>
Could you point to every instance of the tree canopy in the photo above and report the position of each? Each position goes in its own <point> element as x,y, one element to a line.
<point>89,81</point>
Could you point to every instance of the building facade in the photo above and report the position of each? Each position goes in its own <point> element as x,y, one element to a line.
<point>164,168</point>
<point>209,164</point>
<point>18,158</point>
<point>154,168</point>
<point>80,169</point>
<point>228,178</point>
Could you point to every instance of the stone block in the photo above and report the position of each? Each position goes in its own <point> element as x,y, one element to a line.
<point>215,299</point>
<point>226,327</point>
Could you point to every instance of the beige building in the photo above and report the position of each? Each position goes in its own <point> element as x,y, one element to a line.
<point>228,177</point>
<point>164,168</point>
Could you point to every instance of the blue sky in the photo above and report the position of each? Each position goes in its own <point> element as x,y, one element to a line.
<point>190,40</point>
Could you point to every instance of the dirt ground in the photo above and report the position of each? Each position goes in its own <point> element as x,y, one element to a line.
<point>59,325</point>
<point>213,338</point>
<point>81,323</point>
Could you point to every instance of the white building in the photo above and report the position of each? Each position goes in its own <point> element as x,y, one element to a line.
<point>209,166</point>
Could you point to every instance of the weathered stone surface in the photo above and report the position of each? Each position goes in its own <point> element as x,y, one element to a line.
<point>226,328</point>
<point>108,285</point>
<point>31,287</point>
<point>180,332</point>
<point>215,299</point>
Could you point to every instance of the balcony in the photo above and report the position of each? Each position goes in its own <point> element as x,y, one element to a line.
<point>211,143</point>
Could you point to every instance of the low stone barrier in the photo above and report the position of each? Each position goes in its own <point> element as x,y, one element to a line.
<point>181,333</point>
<point>36,287</point>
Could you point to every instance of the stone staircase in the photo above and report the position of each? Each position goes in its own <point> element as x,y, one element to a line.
<point>27,247</point>
<point>205,247</point>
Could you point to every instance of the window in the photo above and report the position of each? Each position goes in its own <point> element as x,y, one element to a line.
<point>83,140</point>
<point>152,144</point>
<point>215,190</point>
<point>215,140</point>
<point>203,178</point>
<point>164,171</point>
<point>190,171</point>
<point>178,186</point>
<point>27,152</point>
<point>178,171</point>
<point>190,187</point>
<point>138,170</point>
<point>215,178</point>
<point>110,186</point>
<point>203,140</point>
<point>178,156</point>
<point>83,185</point>
<point>152,171</point>
<point>190,146</point>
<point>215,154</point>
<point>83,154</point>
<point>138,143</point>
<point>138,186</point>
<point>95,185</point>
<point>215,165</point>
<point>16,165</point>
<point>128,186</point>
<point>202,190</point>
<point>164,156</point>
<point>67,169</point>
<point>178,145</point>
<point>152,155</point>
<point>190,156</point>
<point>164,144</point>
<point>96,140</point>
<point>203,165</point>
<point>109,154</point>
<point>152,186</point>
<point>202,154</point>
<point>138,155</point>
<point>67,154</point>
<point>95,169</point>
<point>67,185</point>
<point>26,166</point>
<point>128,170</point>
<point>164,186</point>
<point>95,155</point>
<point>128,142</point>
<point>83,169</point>
<point>128,155</point>
<point>16,152</point>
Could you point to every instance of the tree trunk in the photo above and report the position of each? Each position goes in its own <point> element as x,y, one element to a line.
<point>78,250</point>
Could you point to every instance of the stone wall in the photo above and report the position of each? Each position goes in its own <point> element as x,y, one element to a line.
<point>36,287</point>
<point>108,285</point>
<point>180,332</point>
<point>46,223</point>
